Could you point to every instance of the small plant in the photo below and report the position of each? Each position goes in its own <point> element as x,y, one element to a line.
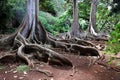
<point>22,68</point>
<point>2,67</point>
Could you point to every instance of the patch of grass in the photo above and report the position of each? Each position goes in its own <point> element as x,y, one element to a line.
<point>22,68</point>
<point>113,48</point>
<point>2,67</point>
<point>118,64</point>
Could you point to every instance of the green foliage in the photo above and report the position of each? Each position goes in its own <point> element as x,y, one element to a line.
<point>50,19</point>
<point>54,7</point>
<point>17,4</point>
<point>114,42</point>
<point>115,7</point>
<point>84,9</point>
<point>5,15</point>
<point>63,23</point>
<point>102,16</point>
<point>84,13</point>
<point>59,6</point>
<point>22,68</point>
<point>47,20</point>
<point>61,18</point>
<point>83,23</point>
<point>105,22</point>
<point>48,6</point>
<point>18,11</point>
<point>53,24</point>
<point>10,11</point>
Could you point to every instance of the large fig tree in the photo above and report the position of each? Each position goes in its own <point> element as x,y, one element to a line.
<point>30,37</point>
<point>30,40</point>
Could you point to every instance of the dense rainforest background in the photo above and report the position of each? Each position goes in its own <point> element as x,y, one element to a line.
<point>63,39</point>
<point>56,16</point>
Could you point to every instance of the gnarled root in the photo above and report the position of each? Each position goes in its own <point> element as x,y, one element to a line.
<point>69,46</point>
<point>78,41</point>
<point>46,72</point>
<point>8,58</point>
<point>53,57</point>
<point>7,42</point>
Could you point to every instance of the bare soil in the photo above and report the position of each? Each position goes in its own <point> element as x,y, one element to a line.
<point>81,71</point>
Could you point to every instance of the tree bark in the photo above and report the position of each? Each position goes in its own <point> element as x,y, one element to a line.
<point>92,24</point>
<point>75,28</point>
<point>32,28</point>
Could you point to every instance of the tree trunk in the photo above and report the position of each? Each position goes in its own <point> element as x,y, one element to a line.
<point>32,29</point>
<point>30,38</point>
<point>75,28</point>
<point>92,24</point>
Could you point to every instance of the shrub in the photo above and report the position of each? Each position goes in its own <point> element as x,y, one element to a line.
<point>47,20</point>
<point>53,24</point>
<point>114,42</point>
<point>22,68</point>
<point>11,11</point>
<point>63,23</point>
<point>48,6</point>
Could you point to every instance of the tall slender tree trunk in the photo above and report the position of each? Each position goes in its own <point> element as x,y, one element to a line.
<point>75,28</point>
<point>92,24</point>
<point>32,28</point>
<point>75,11</point>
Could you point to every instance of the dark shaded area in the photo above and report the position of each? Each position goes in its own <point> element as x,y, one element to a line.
<point>5,15</point>
<point>116,7</point>
<point>48,6</point>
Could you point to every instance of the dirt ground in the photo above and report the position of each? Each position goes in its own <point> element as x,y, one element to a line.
<point>82,70</point>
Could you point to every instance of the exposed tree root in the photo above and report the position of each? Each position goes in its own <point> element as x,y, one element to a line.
<point>46,72</point>
<point>102,61</point>
<point>51,55</point>
<point>73,71</point>
<point>30,38</point>
<point>115,68</point>
<point>7,42</point>
<point>82,50</point>
<point>78,41</point>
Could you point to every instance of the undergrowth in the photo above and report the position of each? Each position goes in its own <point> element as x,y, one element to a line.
<point>114,42</point>
<point>55,25</point>
<point>22,68</point>
<point>2,67</point>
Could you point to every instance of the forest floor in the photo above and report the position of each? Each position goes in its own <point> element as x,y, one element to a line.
<point>83,69</point>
